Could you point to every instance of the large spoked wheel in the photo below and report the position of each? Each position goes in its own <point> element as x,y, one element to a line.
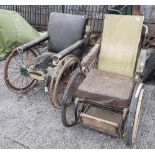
<point>16,74</point>
<point>57,89</point>
<point>133,118</point>
<point>70,100</point>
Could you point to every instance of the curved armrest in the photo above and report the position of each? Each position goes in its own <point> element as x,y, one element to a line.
<point>91,55</point>
<point>55,58</point>
<point>145,35</point>
<point>33,43</point>
<point>68,50</point>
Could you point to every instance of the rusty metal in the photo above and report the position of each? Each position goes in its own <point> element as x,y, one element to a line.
<point>91,55</point>
<point>68,50</point>
<point>62,67</point>
<point>8,83</point>
<point>33,43</point>
<point>65,64</point>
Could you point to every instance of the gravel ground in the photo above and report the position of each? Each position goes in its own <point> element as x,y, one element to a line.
<point>30,121</point>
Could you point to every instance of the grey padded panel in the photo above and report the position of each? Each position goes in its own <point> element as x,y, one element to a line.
<point>64,30</point>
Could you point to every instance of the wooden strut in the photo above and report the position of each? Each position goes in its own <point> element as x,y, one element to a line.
<point>91,55</point>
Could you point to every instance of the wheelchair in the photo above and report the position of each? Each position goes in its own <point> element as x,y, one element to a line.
<point>51,58</point>
<point>109,97</point>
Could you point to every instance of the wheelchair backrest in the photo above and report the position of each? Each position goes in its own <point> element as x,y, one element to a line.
<point>64,30</point>
<point>120,42</point>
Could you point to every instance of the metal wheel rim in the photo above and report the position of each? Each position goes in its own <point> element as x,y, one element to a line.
<point>10,84</point>
<point>137,116</point>
<point>60,80</point>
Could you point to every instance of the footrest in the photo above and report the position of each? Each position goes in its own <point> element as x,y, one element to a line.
<point>103,120</point>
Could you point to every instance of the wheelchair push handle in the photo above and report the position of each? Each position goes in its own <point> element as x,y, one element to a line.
<point>145,35</point>
<point>33,43</point>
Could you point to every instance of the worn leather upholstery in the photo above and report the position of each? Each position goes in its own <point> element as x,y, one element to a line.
<point>106,89</point>
<point>64,30</point>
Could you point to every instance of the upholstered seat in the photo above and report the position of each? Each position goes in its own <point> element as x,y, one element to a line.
<point>112,83</point>
<point>106,89</point>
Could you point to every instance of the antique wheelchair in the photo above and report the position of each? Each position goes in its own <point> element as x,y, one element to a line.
<point>68,40</point>
<point>109,98</point>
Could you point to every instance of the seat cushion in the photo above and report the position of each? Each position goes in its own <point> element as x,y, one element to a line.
<point>64,30</point>
<point>106,89</point>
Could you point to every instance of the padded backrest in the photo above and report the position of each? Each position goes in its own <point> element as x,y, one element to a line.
<point>119,45</point>
<point>64,30</point>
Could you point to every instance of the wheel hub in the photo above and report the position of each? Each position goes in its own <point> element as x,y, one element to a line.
<point>24,71</point>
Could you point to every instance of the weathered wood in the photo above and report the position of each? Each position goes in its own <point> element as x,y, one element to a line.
<point>91,55</point>
<point>102,120</point>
